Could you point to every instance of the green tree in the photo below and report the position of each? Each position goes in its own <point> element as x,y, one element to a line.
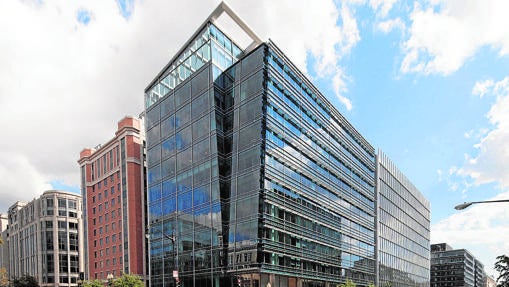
<point>127,280</point>
<point>25,281</point>
<point>348,283</point>
<point>93,283</point>
<point>502,266</point>
<point>4,281</point>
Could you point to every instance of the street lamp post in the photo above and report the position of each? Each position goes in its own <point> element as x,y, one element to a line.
<point>147,237</point>
<point>173,238</point>
<point>467,204</point>
<point>110,278</point>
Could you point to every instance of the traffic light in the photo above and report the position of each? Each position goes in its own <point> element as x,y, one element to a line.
<point>177,282</point>
<point>239,282</point>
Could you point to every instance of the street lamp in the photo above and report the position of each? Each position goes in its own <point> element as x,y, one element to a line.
<point>467,204</point>
<point>147,236</point>
<point>110,278</point>
<point>173,238</point>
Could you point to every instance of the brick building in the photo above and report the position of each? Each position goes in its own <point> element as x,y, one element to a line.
<point>113,200</point>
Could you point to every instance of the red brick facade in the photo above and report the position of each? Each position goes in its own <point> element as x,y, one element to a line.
<point>105,202</point>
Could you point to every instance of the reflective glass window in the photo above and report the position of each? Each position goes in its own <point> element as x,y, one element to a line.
<point>251,85</point>
<point>169,205</point>
<point>154,155</point>
<point>247,207</point>
<point>200,105</point>
<point>201,150</point>
<point>153,135</point>
<point>155,210</point>
<point>216,209</point>
<point>182,116</point>
<point>152,117</point>
<point>183,138</point>
<point>249,135</point>
<point>202,238</point>
<point>201,174</point>
<point>167,126</point>
<point>253,61</point>
<point>250,111</point>
<point>168,147</point>
<point>167,106</point>
<point>185,201</point>
<point>248,182</point>
<point>246,231</point>
<point>184,159</point>
<point>201,128</point>
<point>154,192</point>
<point>200,81</point>
<point>201,195</point>
<point>168,167</point>
<point>249,158</point>
<point>182,95</point>
<point>169,187</point>
<point>154,174</point>
<point>184,181</point>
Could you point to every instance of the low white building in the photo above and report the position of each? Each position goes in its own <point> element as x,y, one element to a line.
<point>4,256</point>
<point>45,239</point>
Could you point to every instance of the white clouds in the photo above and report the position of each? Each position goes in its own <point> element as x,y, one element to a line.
<point>20,180</point>
<point>445,34</point>
<point>491,164</point>
<point>391,24</point>
<point>64,85</point>
<point>309,30</point>
<point>383,6</point>
<point>478,228</point>
<point>481,88</point>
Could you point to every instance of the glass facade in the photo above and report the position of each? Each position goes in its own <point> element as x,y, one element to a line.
<point>253,177</point>
<point>404,229</point>
<point>185,156</point>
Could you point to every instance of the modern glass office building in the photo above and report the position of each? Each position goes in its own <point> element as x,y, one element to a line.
<point>254,178</point>
<point>404,229</point>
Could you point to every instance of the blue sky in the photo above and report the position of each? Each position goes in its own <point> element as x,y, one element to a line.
<point>425,81</point>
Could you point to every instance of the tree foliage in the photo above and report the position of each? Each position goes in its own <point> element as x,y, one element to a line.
<point>93,283</point>
<point>4,280</point>
<point>502,266</point>
<point>127,280</point>
<point>348,283</point>
<point>25,281</point>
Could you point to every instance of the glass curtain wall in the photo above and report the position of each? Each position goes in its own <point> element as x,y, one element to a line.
<point>184,120</point>
<point>252,176</point>
<point>319,196</point>
<point>404,230</point>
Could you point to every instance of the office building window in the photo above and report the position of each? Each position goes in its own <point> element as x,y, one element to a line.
<point>62,202</point>
<point>63,263</point>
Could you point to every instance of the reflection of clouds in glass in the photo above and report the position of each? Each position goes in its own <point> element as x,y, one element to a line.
<point>246,232</point>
